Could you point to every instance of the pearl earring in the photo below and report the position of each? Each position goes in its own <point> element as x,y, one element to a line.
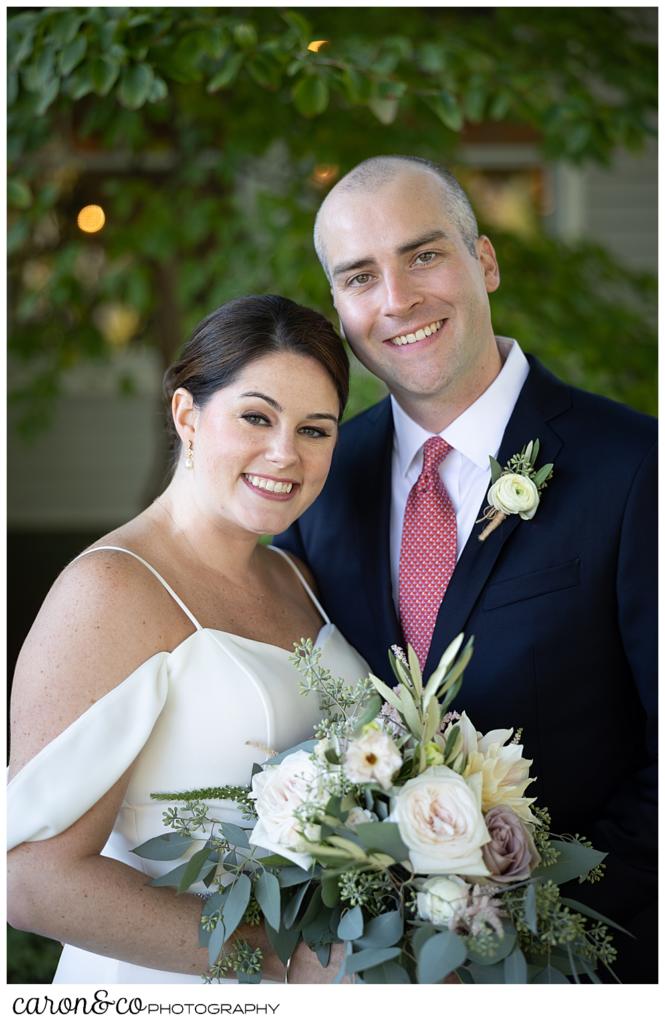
<point>189,455</point>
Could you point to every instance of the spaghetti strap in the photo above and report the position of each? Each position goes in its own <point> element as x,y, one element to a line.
<point>304,582</point>
<point>178,601</point>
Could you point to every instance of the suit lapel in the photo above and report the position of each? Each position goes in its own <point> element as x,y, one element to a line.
<point>372,501</point>
<point>541,398</point>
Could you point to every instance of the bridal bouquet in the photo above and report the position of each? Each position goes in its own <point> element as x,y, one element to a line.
<point>400,831</point>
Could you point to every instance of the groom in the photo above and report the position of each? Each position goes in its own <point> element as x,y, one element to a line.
<point>562,605</point>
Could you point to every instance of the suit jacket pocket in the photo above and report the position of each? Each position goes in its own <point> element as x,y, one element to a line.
<point>532,584</point>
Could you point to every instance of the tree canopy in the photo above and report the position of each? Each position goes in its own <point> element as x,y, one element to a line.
<point>209,136</point>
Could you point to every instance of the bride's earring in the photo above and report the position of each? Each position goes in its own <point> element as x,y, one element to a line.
<point>189,456</point>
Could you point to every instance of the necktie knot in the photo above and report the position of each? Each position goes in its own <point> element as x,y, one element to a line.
<point>434,452</point>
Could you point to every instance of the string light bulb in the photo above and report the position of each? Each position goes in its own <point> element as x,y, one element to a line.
<point>91,219</point>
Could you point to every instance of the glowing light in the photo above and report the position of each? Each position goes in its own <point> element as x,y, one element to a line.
<point>317,44</point>
<point>324,174</point>
<point>91,219</point>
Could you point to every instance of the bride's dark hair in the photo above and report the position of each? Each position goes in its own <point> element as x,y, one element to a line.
<point>243,330</point>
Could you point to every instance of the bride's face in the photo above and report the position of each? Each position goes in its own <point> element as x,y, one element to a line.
<point>263,444</point>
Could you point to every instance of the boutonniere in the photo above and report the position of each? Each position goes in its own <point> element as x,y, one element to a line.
<point>516,489</point>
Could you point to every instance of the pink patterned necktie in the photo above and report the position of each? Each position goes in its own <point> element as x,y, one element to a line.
<point>429,550</point>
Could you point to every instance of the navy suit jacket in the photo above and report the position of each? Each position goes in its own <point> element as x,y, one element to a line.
<point>562,608</point>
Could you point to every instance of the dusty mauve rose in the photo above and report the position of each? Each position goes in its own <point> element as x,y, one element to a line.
<point>510,855</point>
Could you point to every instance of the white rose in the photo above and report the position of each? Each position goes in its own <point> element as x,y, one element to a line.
<point>440,820</point>
<point>372,757</point>
<point>513,493</point>
<point>279,790</point>
<point>440,898</point>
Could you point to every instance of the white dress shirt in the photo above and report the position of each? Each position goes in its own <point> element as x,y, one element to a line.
<point>475,435</point>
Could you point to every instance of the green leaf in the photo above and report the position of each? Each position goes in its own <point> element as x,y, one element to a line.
<point>171,878</point>
<point>496,469</point>
<point>236,904</point>
<point>550,976</point>
<point>72,54</point>
<point>388,695</point>
<point>410,712</point>
<point>310,95</point>
<point>64,27</point>
<point>500,105</point>
<point>574,861</point>
<point>265,71</point>
<point>581,908</point>
<point>79,83</point>
<point>103,73</point>
<point>293,875</point>
<point>227,72</point>
<point>369,958</point>
<point>330,890</point>
<point>358,87</point>
<point>19,195</point>
<point>283,941</point>
<point>47,96</point>
<point>293,906</point>
<point>385,930</point>
<point>195,869</point>
<point>135,86</point>
<point>234,834</point>
<point>388,973</point>
<point>543,474</point>
<point>414,669</point>
<point>451,741</point>
<point>448,110</point>
<point>351,924</point>
<point>400,670</point>
<point>530,916</point>
<point>159,91</point>
<point>440,955</point>
<point>384,110</point>
<point>215,942</point>
<point>372,709</point>
<point>382,836</point>
<point>445,661</point>
<point>268,897</point>
<point>245,35</point>
<point>169,846</point>
<point>514,968</point>
<point>37,75</point>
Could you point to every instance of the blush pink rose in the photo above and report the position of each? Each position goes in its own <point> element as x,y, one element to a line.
<point>510,855</point>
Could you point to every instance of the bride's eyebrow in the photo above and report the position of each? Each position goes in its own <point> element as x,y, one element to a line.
<point>278,408</point>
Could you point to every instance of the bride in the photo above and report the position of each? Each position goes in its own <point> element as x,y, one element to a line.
<point>160,658</point>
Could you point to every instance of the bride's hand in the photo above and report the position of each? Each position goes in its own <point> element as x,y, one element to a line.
<point>305,968</point>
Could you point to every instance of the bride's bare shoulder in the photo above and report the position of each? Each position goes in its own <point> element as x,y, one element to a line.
<point>103,618</point>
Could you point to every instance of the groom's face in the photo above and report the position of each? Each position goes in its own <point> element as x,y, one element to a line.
<point>412,298</point>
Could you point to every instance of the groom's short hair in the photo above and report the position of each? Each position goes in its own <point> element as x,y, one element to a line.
<point>376,171</point>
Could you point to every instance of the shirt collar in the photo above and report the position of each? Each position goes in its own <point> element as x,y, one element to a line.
<point>477,432</point>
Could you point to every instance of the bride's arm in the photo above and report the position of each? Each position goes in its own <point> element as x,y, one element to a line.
<point>98,624</point>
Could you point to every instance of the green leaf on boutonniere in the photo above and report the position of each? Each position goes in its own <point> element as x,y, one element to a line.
<point>495,469</point>
<point>543,474</point>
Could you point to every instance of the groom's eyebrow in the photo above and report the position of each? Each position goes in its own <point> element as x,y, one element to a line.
<point>402,250</point>
<point>278,408</point>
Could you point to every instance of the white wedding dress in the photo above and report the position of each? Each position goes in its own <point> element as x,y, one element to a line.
<point>198,716</point>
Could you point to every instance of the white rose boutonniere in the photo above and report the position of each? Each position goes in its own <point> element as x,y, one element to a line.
<point>516,489</point>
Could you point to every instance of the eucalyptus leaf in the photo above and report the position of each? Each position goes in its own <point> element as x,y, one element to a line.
<point>197,866</point>
<point>293,875</point>
<point>496,469</point>
<point>234,834</point>
<point>283,941</point>
<point>215,942</point>
<point>550,976</point>
<point>293,906</point>
<point>581,908</point>
<point>307,746</point>
<point>385,930</point>
<point>249,979</point>
<point>170,846</point>
<point>483,974</point>
<point>530,916</point>
<point>382,836</point>
<point>514,968</point>
<point>503,949</point>
<point>440,955</point>
<point>171,878</point>
<point>330,891</point>
<point>420,936</point>
<point>236,903</point>
<point>543,474</point>
<point>268,897</point>
<point>574,861</point>
<point>351,924</point>
<point>388,973</point>
<point>369,958</point>
<point>370,712</point>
